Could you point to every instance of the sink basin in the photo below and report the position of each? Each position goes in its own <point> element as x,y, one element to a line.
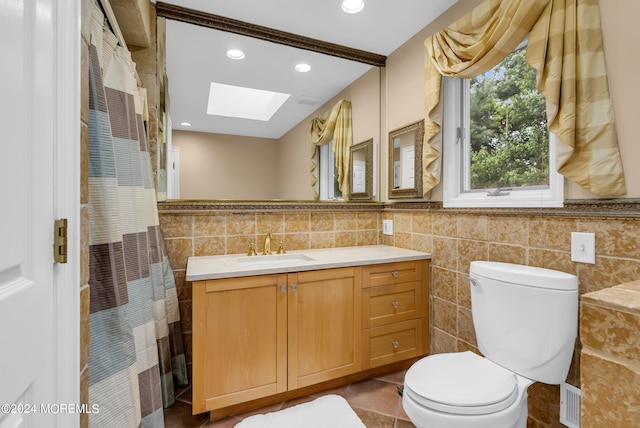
<point>273,259</point>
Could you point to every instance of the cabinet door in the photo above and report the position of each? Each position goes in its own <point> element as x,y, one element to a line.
<point>239,340</point>
<point>325,323</point>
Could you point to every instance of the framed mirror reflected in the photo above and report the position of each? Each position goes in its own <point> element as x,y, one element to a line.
<point>405,161</point>
<point>361,171</point>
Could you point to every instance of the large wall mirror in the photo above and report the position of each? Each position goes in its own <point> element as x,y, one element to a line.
<point>361,171</point>
<point>405,161</point>
<point>229,158</point>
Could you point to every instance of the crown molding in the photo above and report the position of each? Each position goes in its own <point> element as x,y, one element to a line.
<point>217,22</point>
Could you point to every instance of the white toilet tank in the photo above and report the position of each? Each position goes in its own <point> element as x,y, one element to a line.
<point>525,318</point>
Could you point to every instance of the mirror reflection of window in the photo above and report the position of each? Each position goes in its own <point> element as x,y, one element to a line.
<point>329,186</point>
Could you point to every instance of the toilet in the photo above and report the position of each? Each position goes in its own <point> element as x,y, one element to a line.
<point>526,323</point>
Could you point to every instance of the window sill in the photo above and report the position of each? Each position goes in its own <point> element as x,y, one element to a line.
<point>525,199</point>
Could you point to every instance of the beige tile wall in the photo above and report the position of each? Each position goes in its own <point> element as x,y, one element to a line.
<point>228,233</point>
<point>455,239</point>
<point>610,362</point>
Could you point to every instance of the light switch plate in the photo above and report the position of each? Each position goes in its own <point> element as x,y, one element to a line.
<point>387,227</point>
<point>583,247</point>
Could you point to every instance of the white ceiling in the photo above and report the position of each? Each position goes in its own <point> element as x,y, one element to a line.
<point>196,56</point>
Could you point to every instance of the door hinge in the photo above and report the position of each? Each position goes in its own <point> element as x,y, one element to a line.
<point>60,241</point>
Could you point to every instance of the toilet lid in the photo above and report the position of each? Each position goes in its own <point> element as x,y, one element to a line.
<point>461,383</point>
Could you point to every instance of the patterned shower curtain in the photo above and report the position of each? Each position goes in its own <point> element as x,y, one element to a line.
<point>136,347</point>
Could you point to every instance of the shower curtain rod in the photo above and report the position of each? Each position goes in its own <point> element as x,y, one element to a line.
<point>113,22</point>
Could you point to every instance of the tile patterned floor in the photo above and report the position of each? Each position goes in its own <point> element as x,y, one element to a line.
<point>375,401</point>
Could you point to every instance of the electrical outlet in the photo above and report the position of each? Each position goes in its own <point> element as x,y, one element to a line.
<point>387,227</point>
<point>583,247</point>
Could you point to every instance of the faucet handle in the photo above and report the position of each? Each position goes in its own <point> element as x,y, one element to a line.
<point>252,250</point>
<point>281,249</point>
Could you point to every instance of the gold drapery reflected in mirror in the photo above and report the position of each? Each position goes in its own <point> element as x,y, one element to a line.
<point>334,124</point>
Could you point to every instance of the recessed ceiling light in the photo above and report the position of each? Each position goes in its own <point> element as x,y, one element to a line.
<point>185,124</point>
<point>352,6</point>
<point>303,68</point>
<point>235,54</point>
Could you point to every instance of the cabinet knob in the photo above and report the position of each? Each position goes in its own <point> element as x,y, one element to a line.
<point>395,344</point>
<point>294,287</point>
<point>395,304</point>
<point>394,274</point>
<point>283,288</point>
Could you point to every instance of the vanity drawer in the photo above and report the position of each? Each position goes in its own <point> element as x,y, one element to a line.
<point>392,273</point>
<point>391,303</point>
<point>393,342</point>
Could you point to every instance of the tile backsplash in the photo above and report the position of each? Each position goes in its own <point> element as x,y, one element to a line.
<point>218,233</point>
<point>453,237</point>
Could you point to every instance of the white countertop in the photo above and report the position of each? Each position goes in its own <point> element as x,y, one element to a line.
<point>237,265</point>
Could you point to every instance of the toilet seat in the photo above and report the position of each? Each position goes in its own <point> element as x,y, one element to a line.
<point>461,383</point>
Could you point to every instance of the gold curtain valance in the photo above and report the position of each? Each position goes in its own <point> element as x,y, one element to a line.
<point>565,48</point>
<point>336,124</point>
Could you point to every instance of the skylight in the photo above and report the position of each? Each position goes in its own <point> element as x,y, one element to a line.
<point>244,103</point>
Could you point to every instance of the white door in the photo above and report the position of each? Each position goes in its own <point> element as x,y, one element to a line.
<point>407,159</point>
<point>29,124</point>
<point>173,187</point>
<point>359,175</point>
<point>396,174</point>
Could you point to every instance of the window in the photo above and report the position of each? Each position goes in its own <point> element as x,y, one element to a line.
<point>329,186</point>
<point>497,149</point>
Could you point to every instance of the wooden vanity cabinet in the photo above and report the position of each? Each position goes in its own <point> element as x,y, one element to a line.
<point>259,336</point>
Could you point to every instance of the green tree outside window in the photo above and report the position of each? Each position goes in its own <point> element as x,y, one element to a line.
<point>508,127</point>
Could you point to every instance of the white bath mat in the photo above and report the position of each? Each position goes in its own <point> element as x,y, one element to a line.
<point>328,411</point>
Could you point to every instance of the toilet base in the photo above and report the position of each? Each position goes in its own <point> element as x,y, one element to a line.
<point>513,417</point>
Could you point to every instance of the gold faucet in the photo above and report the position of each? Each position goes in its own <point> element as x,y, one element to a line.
<point>252,250</point>
<point>281,249</point>
<point>267,244</point>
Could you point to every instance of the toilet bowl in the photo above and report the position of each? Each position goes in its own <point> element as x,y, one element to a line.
<point>525,320</point>
<point>464,390</point>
